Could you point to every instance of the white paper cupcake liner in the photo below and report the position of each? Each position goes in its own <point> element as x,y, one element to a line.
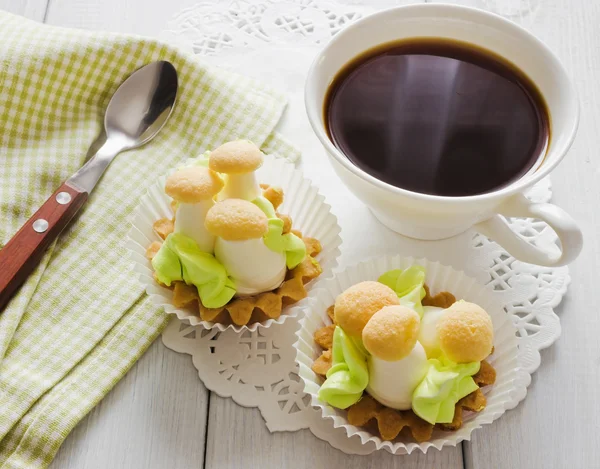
<point>302,201</point>
<point>439,278</point>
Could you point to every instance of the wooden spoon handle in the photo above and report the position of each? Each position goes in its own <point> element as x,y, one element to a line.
<point>25,249</point>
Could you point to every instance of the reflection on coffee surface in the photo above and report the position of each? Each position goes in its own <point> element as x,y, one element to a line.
<point>437,117</point>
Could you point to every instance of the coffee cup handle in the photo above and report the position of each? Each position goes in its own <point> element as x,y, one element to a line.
<point>561,222</point>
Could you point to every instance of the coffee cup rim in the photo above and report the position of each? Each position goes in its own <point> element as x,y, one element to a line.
<point>314,109</point>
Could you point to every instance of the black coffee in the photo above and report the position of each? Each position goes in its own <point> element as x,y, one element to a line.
<point>437,117</point>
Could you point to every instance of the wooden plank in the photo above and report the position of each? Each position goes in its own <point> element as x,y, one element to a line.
<point>239,438</point>
<point>557,424</point>
<point>32,9</point>
<point>154,418</point>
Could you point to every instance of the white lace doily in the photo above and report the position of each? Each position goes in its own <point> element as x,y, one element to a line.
<point>258,369</point>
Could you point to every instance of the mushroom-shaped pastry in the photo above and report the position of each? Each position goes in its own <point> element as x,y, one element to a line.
<point>465,332</point>
<point>239,227</point>
<point>355,306</point>
<point>238,160</point>
<point>466,328</point>
<point>398,362</point>
<point>194,189</point>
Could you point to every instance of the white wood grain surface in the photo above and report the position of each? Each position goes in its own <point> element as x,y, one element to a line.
<point>254,447</point>
<point>157,416</point>
<point>33,9</point>
<point>154,418</point>
<point>147,17</point>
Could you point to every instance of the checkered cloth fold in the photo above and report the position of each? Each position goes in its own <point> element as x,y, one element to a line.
<point>82,319</point>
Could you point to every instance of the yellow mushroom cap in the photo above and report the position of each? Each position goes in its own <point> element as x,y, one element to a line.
<point>237,157</point>
<point>236,220</point>
<point>192,185</point>
<point>391,333</point>
<point>466,332</point>
<point>355,306</point>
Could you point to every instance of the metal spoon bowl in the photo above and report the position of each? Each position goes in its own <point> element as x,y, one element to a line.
<point>135,114</point>
<point>142,104</point>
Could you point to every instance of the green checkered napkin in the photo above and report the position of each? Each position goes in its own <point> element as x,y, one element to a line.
<point>82,319</point>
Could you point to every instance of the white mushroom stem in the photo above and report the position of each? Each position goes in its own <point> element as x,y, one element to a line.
<point>393,383</point>
<point>240,186</point>
<point>253,267</point>
<point>189,221</point>
<point>428,336</point>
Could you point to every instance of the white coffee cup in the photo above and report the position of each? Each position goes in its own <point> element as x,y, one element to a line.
<point>432,217</point>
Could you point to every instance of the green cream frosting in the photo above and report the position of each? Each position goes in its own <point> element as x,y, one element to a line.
<point>445,383</point>
<point>408,285</point>
<point>349,376</point>
<point>180,258</point>
<point>293,247</point>
<point>200,160</point>
<point>266,206</point>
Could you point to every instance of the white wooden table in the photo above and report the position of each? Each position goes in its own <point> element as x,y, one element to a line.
<point>161,416</point>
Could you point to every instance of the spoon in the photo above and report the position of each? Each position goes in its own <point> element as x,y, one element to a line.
<point>135,114</point>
